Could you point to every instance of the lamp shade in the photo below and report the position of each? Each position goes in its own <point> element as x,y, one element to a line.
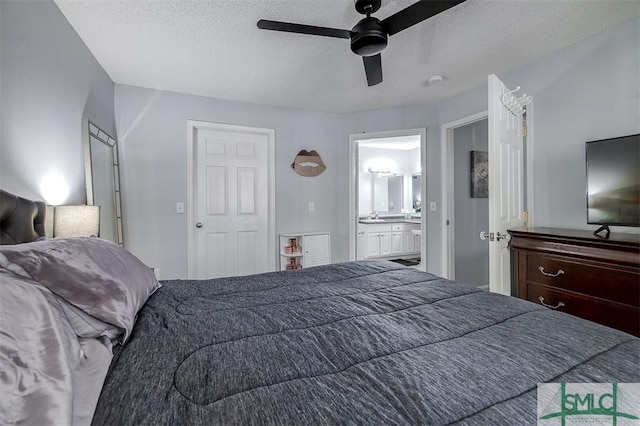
<point>76,221</point>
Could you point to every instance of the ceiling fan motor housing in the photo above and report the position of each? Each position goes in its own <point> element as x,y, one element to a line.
<point>367,6</point>
<point>368,38</point>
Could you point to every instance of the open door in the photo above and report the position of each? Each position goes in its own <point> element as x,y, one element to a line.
<point>506,178</point>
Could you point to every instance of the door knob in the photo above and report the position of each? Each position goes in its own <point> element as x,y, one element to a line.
<point>199,225</point>
<point>484,235</point>
<point>500,236</point>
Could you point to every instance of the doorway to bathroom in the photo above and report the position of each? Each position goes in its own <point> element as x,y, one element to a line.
<point>386,190</point>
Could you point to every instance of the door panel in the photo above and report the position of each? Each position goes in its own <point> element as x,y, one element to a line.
<point>316,250</point>
<point>217,263</point>
<point>506,183</point>
<point>217,200</point>
<point>232,203</point>
<point>373,244</point>
<point>247,199</point>
<point>397,243</point>
<point>385,243</point>
<point>408,242</point>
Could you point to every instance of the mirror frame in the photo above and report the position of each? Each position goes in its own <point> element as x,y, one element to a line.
<point>91,130</point>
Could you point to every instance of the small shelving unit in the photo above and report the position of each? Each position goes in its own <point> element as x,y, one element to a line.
<point>299,251</point>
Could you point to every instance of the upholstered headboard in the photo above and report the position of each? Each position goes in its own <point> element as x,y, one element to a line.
<point>21,220</point>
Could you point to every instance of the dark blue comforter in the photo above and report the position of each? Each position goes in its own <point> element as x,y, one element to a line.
<point>352,343</point>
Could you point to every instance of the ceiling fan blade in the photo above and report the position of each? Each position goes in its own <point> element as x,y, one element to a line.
<point>415,13</point>
<point>288,27</point>
<point>373,69</point>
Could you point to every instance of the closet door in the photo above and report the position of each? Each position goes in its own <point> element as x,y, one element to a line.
<point>317,250</point>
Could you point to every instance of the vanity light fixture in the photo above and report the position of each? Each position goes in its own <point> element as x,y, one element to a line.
<point>380,172</point>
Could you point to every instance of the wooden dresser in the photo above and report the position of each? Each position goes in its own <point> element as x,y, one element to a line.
<point>579,273</point>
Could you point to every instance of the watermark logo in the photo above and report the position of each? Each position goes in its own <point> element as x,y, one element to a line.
<point>616,404</point>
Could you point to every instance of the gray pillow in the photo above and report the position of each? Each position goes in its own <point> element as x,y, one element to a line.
<point>83,324</point>
<point>96,275</point>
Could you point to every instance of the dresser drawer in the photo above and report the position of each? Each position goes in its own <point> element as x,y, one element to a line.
<point>615,315</point>
<point>615,283</point>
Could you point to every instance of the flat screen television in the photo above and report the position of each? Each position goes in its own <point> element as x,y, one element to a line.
<point>613,182</point>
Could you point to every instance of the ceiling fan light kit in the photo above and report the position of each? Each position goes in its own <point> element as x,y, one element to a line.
<point>370,36</point>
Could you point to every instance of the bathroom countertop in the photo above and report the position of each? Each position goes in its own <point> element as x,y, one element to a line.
<point>389,220</point>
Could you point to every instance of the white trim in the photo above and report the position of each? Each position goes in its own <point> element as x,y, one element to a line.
<point>529,164</point>
<point>447,269</point>
<point>192,125</point>
<point>353,173</point>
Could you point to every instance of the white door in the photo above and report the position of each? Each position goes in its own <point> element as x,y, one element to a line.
<point>232,187</point>
<point>506,183</point>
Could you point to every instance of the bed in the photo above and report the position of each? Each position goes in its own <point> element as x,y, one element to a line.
<point>368,342</point>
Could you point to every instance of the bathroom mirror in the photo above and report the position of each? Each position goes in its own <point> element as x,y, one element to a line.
<point>380,193</point>
<point>387,194</point>
<point>416,188</point>
<point>395,194</point>
<point>103,179</point>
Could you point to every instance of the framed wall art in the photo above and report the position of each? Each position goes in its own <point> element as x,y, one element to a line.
<point>479,161</point>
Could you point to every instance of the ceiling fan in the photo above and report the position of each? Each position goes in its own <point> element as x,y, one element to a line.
<point>369,36</point>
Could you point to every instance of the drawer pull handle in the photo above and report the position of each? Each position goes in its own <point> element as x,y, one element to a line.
<point>548,274</point>
<point>541,299</point>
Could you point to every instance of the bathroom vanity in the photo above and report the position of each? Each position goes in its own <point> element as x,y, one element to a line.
<point>388,238</point>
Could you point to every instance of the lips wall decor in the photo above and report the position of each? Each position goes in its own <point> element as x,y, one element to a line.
<point>308,164</point>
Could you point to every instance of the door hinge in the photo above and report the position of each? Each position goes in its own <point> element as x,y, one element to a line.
<point>447,222</point>
<point>524,217</point>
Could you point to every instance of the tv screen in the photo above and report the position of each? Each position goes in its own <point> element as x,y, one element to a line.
<point>613,181</point>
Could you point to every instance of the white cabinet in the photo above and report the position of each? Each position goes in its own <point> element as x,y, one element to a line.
<point>411,241</point>
<point>317,249</point>
<point>409,246</point>
<point>378,240</point>
<point>397,238</point>
<point>385,243</point>
<point>387,240</point>
<point>373,244</point>
<point>304,250</point>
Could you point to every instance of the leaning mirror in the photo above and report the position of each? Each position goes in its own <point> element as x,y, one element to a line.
<point>103,179</point>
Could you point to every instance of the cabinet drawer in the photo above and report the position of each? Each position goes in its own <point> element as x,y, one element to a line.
<point>619,285</point>
<point>615,315</point>
<point>397,226</point>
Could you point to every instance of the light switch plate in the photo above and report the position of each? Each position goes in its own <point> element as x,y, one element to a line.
<point>432,206</point>
<point>312,206</point>
<point>179,207</point>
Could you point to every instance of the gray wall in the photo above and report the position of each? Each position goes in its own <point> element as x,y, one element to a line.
<point>48,81</point>
<point>587,91</point>
<point>152,127</point>
<point>471,214</point>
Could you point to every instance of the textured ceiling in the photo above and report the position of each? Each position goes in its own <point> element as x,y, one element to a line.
<point>213,47</point>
